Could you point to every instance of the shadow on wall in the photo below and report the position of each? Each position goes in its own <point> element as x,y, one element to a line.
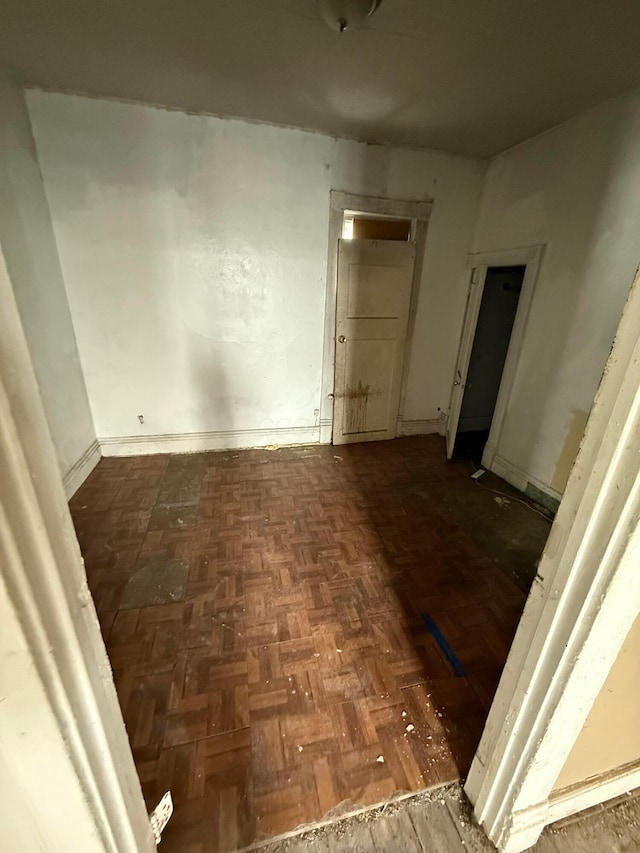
<point>214,403</point>
<point>209,300</point>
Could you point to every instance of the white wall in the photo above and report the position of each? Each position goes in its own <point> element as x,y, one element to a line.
<point>29,246</point>
<point>194,255</point>
<point>576,189</point>
<point>193,250</point>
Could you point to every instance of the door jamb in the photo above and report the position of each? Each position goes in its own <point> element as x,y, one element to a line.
<point>339,203</point>
<point>584,599</point>
<point>530,257</point>
<point>47,586</point>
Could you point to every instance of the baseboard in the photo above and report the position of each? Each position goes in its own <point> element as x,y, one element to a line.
<point>77,474</point>
<point>594,791</point>
<point>503,468</point>
<point>326,430</point>
<point>523,829</point>
<point>545,497</point>
<point>522,481</point>
<point>192,442</point>
<point>425,427</point>
<point>140,445</point>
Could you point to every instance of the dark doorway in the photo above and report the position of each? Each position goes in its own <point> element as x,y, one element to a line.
<point>490,345</point>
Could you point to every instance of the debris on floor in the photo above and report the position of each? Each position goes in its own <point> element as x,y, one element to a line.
<point>266,571</point>
<point>441,819</point>
<point>159,817</point>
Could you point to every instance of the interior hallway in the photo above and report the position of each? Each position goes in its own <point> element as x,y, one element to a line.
<point>296,629</point>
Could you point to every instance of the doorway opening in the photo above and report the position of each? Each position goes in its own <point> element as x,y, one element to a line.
<point>494,327</point>
<point>500,293</point>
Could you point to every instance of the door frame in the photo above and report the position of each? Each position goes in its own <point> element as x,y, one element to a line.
<point>584,600</point>
<point>47,588</point>
<point>478,264</point>
<point>340,203</point>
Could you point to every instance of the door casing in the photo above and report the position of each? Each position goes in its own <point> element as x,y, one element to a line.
<point>477,266</point>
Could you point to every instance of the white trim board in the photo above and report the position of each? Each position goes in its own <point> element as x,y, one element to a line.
<point>569,801</point>
<point>326,427</point>
<point>517,478</point>
<point>577,798</point>
<point>193,442</point>
<point>79,472</point>
<point>239,439</point>
<point>419,427</point>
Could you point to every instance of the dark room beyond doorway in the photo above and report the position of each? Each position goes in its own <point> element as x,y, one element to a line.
<point>497,314</point>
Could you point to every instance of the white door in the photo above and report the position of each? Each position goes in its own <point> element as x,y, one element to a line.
<point>474,298</point>
<point>374,290</point>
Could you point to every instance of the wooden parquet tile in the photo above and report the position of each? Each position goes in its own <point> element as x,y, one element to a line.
<point>295,671</point>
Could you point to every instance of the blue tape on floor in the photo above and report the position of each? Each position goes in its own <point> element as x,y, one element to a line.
<point>446,649</point>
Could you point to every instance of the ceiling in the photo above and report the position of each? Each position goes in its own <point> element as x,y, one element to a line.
<point>467,76</point>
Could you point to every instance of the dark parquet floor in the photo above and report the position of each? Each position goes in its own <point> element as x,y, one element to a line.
<point>263,613</point>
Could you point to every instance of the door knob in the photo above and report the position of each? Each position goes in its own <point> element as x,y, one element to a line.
<point>341,339</point>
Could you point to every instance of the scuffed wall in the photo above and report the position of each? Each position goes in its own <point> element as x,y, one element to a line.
<point>577,190</point>
<point>194,255</point>
<point>29,247</point>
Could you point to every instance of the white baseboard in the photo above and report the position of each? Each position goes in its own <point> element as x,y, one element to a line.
<point>425,427</point>
<point>326,431</point>
<point>140,445</point>
<point>593,792</point>
<point>516,477</point>
<point>79,472</point>
<point>523,830</point>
